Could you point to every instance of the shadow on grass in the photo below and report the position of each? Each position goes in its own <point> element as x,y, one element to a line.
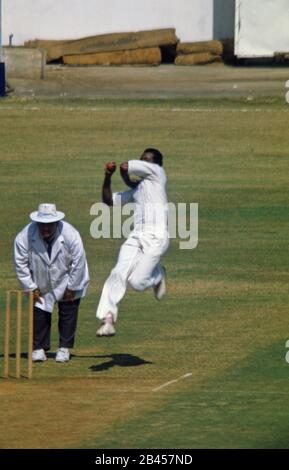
<point>121,360</point>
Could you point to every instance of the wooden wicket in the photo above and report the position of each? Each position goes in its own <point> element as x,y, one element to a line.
<point>19,314</point>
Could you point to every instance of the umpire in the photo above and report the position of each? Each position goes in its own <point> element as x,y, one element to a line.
<point>50,261</point>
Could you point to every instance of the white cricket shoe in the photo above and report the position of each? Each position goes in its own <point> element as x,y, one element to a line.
<point>38,355</point>
<point>107,328</point>
<point>160,289</point>
<point>62,355</point>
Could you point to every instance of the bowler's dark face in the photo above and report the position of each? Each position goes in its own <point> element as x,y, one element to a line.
<point>47,230</point>
<point>147,157</point>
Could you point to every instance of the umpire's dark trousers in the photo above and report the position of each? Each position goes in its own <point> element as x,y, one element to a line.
<point>67,323</point>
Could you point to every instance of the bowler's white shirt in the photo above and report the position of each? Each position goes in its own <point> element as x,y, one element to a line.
<point>149,197</point>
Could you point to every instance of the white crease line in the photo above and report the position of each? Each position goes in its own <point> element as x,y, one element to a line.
<point>172,382</point>
<point>173,110</point>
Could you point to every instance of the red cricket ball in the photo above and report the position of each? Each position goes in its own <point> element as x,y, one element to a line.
<point>110,166</point>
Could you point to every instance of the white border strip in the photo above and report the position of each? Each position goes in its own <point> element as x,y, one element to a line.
<point>172,110</point>
<point>172,382</point>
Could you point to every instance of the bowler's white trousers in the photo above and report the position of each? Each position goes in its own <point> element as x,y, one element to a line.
<point>138,265</point>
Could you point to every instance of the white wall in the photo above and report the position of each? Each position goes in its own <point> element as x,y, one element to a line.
<point>70,19</point>
<point>262,28</point>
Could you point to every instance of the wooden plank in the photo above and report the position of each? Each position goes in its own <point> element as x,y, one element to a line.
<point>147,56</point>
<point>197,59</point>
<point>44,43</point>
<point>214,47</point>
<point>107,43</point>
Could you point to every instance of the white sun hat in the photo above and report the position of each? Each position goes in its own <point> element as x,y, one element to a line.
<point>47,214</point>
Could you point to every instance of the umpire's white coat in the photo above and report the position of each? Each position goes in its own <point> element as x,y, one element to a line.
<point>66,268</point>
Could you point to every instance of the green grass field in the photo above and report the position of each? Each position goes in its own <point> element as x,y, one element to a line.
<point>225,319</point>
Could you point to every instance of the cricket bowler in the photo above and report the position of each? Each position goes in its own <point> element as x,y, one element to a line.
<point>138,262</point>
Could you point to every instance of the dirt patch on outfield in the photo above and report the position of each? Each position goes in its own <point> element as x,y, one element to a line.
<point>165,81</point>
<point>61,414</point>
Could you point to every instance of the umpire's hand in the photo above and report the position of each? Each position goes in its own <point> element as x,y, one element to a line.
<point>37,296</point>
<point>68,295</point>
